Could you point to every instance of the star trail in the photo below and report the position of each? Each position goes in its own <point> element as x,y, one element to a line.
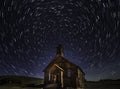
<point>89,31</point>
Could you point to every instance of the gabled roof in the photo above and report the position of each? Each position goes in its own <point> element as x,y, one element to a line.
<point>63,59</point>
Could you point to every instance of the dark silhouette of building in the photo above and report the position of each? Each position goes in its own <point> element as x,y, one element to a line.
<point>62,73</point>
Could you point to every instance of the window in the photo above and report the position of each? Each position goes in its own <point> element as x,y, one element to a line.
<point>49,76</point>
<point>69,73</point>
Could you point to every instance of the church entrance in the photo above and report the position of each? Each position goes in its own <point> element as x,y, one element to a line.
<point>56,75</point>
<point>58,78</point>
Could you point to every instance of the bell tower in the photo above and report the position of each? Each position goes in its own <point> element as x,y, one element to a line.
<point>59,50</point>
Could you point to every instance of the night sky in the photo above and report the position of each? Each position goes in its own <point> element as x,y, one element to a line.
<point>89,31</point>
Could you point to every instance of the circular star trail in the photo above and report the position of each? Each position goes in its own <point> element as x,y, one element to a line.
<point>89,31</point>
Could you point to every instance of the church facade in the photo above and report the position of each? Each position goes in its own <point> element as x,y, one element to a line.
<point>63,73</point>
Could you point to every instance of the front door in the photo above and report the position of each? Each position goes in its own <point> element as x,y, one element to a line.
<point>57,78</point>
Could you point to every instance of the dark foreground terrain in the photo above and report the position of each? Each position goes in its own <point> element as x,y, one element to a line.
<point>22,82</point>
<point>103,84</point>
<point>16,87</point>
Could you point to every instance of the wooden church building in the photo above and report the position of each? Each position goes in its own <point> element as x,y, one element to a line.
<point>63,73</point>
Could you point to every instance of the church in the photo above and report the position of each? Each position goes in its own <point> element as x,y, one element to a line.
<point>63,74</point>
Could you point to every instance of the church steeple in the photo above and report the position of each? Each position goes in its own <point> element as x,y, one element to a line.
<point>59,50</point>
